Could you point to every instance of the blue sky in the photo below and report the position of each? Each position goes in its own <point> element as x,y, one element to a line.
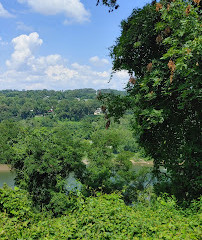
<point>59,44</point>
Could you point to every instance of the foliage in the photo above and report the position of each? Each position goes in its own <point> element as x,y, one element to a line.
<point>109,166</point>
<point>9,131</point>
<point>107,217</point>
<point>112,4</point>
<point>15,203</point>
<point>43,160</point>
<point>69,104</point>
<point>44,151</point>
<point>163,56</point>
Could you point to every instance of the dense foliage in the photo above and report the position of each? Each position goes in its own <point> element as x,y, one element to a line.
<point>100,217</point>
<point>160,46</point>
<point>45,150</point>
<point>69,104</point>
<point>78,180</point>
<point>44,157</point>
<point>43,160</point>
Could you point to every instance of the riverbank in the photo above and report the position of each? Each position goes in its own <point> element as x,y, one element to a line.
<point>140,163</point>
<point>143,163</point>
<point>5,168</point>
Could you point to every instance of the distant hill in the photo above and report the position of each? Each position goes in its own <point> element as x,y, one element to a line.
<point>114,91</point>
<point>85,93</point>
<point>70,104</point>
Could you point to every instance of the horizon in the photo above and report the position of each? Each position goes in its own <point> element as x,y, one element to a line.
<point>63,90</point>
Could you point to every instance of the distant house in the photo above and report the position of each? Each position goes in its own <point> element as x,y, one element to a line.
<point>98,111</point>
<point>46,97</point>
<point>51,110</point>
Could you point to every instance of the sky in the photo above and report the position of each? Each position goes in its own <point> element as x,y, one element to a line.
<point>60,44</point>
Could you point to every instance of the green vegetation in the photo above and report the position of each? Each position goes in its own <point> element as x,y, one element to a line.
<point>44,150</point>
<point>101,217</point>
<point>52,137</point>
<point>70,104</point>
<point>160,46</point>
<point>43,160</point>
<point>44,157</point>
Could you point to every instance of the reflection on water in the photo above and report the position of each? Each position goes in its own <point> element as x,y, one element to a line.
<point>72,184</point>
<point>8,178</point>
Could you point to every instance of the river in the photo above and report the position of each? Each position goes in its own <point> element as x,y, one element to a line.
<point>7,176</point>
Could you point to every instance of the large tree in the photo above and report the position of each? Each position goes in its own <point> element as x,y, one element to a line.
<point>42,160</point>
<point>160,46</point>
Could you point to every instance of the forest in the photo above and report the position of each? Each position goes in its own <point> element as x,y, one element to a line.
<point>78,155</point>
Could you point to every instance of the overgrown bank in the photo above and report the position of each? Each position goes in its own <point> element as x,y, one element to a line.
<point>99,217</point>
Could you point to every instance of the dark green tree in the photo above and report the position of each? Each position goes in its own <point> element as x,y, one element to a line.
<point>43,160</point>
<point>160,46</point>
<point>109,168</point>
<point>9,132</point>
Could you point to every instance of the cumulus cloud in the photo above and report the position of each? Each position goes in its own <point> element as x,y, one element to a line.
<point>40,64</point>
<point>86,72</point>
<point>121,74</point>
<point>96,61</point>
<point>4,13</point>
<point>59,72</point>
<point>72,9</point>
<point>27,71</point>
<point>24,47</point>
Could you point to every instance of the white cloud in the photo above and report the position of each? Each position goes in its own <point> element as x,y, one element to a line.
<point>72,9</point>
<point>86,72</point>
<point>96,61</point>
<point>104,74</point>
<point>39,65</point>
<point>59,72</point>
<point>27,71</point>
<point>82,68</point>
<point>24,46</point>
<point>122,74</point>
<point>4,13</point>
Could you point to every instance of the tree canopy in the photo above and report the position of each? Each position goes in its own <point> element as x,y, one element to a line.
<point>160,46</point>
<point>42,161</point>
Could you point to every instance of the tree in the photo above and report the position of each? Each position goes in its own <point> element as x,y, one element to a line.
<point>112,4</point>
<point>160,46</point>
<point>9,132</point>
<point>110,168</point>
<point>43,160</point>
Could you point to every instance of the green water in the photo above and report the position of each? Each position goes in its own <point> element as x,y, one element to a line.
<point>8,178</point>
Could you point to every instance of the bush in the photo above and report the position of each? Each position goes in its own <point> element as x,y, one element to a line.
<point>107,217</point>
<point>15,203</point>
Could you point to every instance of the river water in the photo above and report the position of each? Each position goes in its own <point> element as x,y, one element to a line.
<point>7,177</point>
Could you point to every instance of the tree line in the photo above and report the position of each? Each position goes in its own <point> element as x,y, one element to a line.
<point>70,104</point>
